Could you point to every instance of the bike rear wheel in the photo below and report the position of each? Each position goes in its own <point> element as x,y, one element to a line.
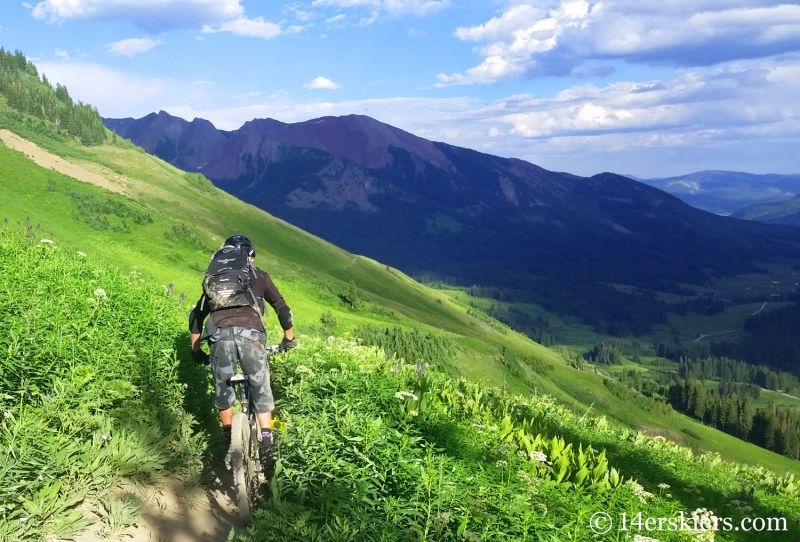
<point>245,477</point>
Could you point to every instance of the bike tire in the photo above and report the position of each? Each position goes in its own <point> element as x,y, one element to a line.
<point>240,463</point>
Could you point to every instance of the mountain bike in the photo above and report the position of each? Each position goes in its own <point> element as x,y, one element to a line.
<point>242,457</point>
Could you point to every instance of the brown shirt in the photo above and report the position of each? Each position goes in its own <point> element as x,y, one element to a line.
<point>264,290</point>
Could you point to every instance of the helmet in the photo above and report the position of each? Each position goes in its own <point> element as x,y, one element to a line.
<point>241,241</point>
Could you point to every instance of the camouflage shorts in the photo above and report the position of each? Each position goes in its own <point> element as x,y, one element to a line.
<point>248,347</point>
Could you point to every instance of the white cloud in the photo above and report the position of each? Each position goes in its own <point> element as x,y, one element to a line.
<point>321,83</point>
<point>133,46</point>
<point>62,53</point>
<point>395,8</point>
<point>336,18</point>
<point>528,40</point>
<point>256,28</point>
<point>203,82</point>
<point>297,28</point>
<point>414,33</point>
<point>119,95</point>
<point>153,15</point>
<point>248,95</point>
<point>366,21</point>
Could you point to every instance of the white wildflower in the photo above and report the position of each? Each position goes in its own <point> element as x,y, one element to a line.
<point>640,538</point>
<point>492,428</point>
<point>502,450</point>
<point>405,395</point>
<point>185,385</point>
<point>99,293</point>
<point>541,457</point>
<point>40,478</point>
<point>23,519</point>
<point>6,414</point>
<point>48,241</point>
<point>639,491</point>
<point>303,370</point>
<point>521,454</point>
<point>663,486</point>
<point>501,463</point>
<point>104,437</point>
<point>92,301</point>
<point>83,254</point>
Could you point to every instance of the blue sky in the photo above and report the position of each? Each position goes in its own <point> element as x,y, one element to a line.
<point>646,87</point>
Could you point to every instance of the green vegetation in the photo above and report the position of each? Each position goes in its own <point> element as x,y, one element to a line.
<point>51,109</point>
<point>89,385</point>
<point>371,453</point>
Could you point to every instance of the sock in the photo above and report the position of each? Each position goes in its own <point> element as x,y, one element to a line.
<point>266,435</point>
<point>226,431</point>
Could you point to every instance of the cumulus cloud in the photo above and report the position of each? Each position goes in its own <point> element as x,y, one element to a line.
<point>133,46</point>
<point>321,83</point>
<point>152,15</point>
<point>529,40</point>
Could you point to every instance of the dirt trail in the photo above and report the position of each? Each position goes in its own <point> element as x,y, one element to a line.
<point>49,160</point>
<point>176,512</point>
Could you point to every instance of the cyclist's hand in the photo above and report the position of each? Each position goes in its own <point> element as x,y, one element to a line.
<point>287,344</point>
<point>200,357</point>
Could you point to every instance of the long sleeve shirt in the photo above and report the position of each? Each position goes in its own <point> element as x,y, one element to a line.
<point>264,290</point>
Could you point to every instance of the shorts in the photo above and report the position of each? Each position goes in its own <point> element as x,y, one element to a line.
<point>230,345</point>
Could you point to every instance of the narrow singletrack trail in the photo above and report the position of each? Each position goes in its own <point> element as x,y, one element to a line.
<point>177,512</point>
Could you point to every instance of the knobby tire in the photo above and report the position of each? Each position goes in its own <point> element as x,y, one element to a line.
<point>243,465</point>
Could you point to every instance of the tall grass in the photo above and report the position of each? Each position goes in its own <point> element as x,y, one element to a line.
<point>89,388</point>
<point>371,453</point>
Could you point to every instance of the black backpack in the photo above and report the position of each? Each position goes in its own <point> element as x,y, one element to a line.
<point>229,280</point>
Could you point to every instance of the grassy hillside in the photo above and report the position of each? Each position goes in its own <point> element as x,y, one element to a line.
<point>372,450</point>
<point>187,219</point>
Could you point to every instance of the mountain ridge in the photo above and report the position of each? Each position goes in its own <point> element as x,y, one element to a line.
<point>430,208</point>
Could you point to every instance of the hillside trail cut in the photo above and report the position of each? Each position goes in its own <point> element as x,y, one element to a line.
<point>49,160</point>
<point>177,512</point>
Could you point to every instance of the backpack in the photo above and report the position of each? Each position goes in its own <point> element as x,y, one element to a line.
<point>229,280</point>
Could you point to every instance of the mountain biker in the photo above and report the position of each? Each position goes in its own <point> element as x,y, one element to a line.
<point>237,333</point>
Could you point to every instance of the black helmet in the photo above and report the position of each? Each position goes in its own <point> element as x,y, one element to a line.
<point>241,241</point>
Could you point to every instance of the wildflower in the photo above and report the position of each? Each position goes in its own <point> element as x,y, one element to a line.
<point>40,478</point>
<point>501,463</point>
<point>6,414</point>
<point>405,395</point>
<point>100,293</point>
<point>663,486</point>
<point>521,454</point>
<point>639,491</point>
<point>104,437</point>
<point>185,385</point>
<point>303,370</point>
<point>179,412</point>
<point>640,538</point>
<point>48,241</point>
<point>79,253</point>
<point>23,519</point>
<point>492,428</point>
<point>540,457</point>
<point>502,450</point>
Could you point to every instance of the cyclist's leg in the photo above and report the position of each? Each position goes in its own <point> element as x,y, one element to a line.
<point>252,355</point>
<point>223,364</point>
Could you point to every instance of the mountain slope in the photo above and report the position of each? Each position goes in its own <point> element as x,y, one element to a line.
<point>785,212</point>
<point>724,192</point>
<point>432,208</point>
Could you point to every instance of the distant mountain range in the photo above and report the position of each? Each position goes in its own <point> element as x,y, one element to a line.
<point>433,208</point>
<point>725,192</point>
